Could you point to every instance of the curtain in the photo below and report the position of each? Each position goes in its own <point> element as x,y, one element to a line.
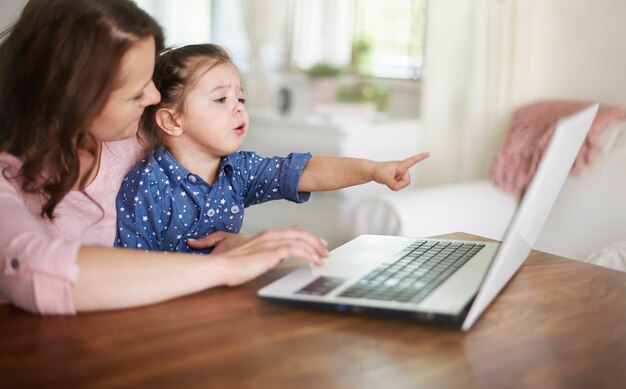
<point>266,27</point>
<point>467,87</point>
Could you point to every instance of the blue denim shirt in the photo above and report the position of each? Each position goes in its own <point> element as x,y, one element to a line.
<point>161,204</point>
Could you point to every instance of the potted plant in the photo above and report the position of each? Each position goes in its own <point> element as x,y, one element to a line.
<point>365,92</point>
<point>323,78</point>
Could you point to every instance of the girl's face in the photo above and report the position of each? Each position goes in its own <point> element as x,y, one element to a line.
<point>120,116</point>
<point>215,120</point>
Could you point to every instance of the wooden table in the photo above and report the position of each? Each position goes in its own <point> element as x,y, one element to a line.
<point>558,323</point>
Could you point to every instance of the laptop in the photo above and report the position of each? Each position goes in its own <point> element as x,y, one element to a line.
<point>437,280</point>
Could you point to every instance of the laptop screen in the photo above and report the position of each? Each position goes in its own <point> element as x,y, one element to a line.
<point>534,208</point>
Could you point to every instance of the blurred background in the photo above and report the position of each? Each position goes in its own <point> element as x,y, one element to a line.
<point>386,79</point>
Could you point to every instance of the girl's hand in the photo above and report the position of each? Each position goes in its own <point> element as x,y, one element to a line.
<point>395,174</point>
<point>267,249</point>
<point>221,241</point>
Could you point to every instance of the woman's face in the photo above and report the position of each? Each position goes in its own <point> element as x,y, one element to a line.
<point>120,116</point>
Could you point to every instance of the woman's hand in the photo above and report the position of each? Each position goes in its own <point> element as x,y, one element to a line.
<point>267,249</point>
<point>221,241</point>
<point>395,174</point>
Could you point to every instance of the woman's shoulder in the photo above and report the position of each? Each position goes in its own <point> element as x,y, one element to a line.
<point>7,159</point>
<point>9,166</point>
<point>132,148</point>
<point>120,156</point>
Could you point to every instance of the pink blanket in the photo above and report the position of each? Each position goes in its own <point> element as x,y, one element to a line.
<point>529,133</point>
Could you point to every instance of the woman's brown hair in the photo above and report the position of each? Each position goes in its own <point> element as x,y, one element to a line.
<point>58,65</point>
<point>175,73</point>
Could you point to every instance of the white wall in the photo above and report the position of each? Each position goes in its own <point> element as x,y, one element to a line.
<point>571,49</point>
<point>485,58</point>
<point>562,49</point>
<point>9,11</point>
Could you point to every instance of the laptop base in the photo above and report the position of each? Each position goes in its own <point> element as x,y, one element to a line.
<point>439,319</point>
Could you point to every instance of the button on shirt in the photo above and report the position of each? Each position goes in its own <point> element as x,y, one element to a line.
<point>161,204</point>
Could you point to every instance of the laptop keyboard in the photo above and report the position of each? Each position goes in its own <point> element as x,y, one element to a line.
<point>424,266</point>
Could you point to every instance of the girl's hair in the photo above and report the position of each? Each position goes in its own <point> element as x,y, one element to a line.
<point>175,74</point>
<point>59,64</point>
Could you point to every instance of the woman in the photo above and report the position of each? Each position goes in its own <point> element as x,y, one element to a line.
<point>75,78</point>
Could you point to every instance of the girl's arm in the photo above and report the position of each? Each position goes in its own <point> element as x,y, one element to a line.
<point>331,173</point>
<point>221,241</point>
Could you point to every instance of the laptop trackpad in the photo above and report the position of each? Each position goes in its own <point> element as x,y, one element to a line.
<point>321,286</point>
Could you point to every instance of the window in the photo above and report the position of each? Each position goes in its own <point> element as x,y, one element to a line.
<point>367,37</point>
<point>182,25</point>
<point>202,21</point>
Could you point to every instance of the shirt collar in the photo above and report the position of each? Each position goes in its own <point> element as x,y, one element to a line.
<point>176,172</point>
<point>228,161</point>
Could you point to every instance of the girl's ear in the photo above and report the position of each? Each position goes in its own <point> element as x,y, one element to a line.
<point>168,121</point>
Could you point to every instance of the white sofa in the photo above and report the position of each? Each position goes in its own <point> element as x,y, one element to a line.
<point>588,221</point>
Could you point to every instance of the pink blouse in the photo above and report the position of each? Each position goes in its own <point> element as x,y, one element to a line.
<point>37,257</point>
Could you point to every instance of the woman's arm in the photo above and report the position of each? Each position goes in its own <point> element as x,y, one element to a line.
<point>331,173</point>
<point>119,278</point>
<point>50,275</point>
